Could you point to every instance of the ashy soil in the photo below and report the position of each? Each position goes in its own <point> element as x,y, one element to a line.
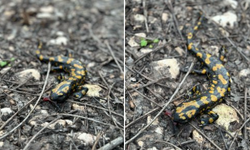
<point>155,53</point>
<point>93,32</point>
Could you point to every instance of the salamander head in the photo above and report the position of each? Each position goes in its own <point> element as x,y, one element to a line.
<point>61,91</point>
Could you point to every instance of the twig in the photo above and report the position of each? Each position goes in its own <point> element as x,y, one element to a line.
<point>145,12</point>
<point>97,139</point>
<point>170,100</point>
<point>28,144</point>
<point>245,115</point>
<point>186,142</point>
<point>112,144</point>
<point>112,54</point>
<point>25,119</point>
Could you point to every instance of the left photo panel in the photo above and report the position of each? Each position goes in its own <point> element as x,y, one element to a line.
<point>62,74</point>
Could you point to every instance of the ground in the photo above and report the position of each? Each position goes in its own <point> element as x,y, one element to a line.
<point>93,32</point>
<point>149,86</point>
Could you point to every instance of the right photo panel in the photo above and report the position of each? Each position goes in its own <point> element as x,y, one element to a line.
<point>187,80</point>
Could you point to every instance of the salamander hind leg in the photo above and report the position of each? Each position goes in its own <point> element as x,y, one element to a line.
<point>81,91</point>
<point>210,118</point>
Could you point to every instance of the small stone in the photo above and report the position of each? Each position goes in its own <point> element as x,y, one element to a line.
<point>88,139</point>
<point>227,115</point>
<point>164,67</point>
<point>227,19</point>
<point>132,42</point>
<point>78,107</point>
<point>197,137</point>
<point>139,18</point>
<point>59,41</point>
<point>47,9</point>
<point>164,17</point>
<point>23,75</point>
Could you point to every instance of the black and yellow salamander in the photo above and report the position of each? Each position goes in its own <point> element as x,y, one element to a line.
<point>217,88</point>
<point>67,86</point>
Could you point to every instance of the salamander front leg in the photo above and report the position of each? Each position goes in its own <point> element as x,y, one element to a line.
<point>222,53</point>
<point>210,118</point>
<point>204,70</point>
<point>81,92</point>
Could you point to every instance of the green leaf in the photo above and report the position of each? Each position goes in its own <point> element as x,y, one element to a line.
<point>144,43</point>
<point>3,63</point>
<point>156,41</point>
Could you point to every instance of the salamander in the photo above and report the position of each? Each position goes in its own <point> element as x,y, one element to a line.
<point>217,88</point>
<point>75,80</point>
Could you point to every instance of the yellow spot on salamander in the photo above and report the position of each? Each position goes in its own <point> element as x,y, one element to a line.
<point>190,45</point>
<point>52,59</point>
<point>72,79</point>
<point>81,72</point>
<point>221,78</point>
<point>65,89</point>
<point>37,52</point>
<point>199,23</point>
<point>196,28</point>
<point>207,60</point>
<point>78,77</point>
<point>203,71</point>
<point>182,116</point>
<point>185,105</point>
<point>214,98</point>
<point>58,87</point>
<point>221,58</point>
<point>60,59</point>
<point>221,91</point>
<point>199,55</point>
<point>77,66</point>
<point>215,82</point>
<point>69,60</point>
<point>217,66</point>
<point>41,57</point>
<point>190,113</point>
<point>83,92</point>
<point>190,35</point>
<point>211,120</point>
<point>204,100</point>
<point>211,92</point>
